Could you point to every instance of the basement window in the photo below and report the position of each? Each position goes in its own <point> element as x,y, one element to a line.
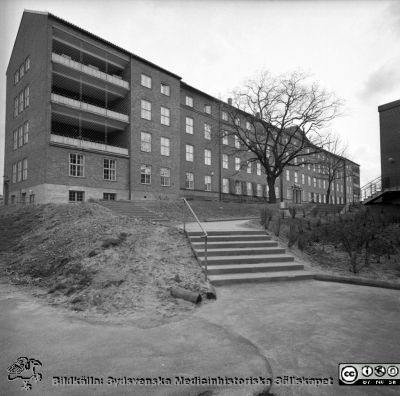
<point>76,196</point>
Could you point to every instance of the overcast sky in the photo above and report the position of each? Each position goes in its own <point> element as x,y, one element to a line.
<point>350,47</point>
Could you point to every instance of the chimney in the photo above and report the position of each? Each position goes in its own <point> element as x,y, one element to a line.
<point>230,101</point>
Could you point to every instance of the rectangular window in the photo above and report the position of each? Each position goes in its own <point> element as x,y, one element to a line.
<point>16,77</point>
<point>15,139</point>
<point>27,64</point>
<point>296,177</point>
<point>319,183</point>
<point>76,196</point>
<point>237,142</point>
<point>19,171</point>
<point>26,97</point>
<point>224,116</point>
<point>248,167</point>
<point>189,152</point>
<point>314,182</point>
<point>145,142</point>
<point>14,173</point>
<point>207,109</point>
<point>21,71</point>
<point>189,181</point>
<point>189,101</point>
<point>165,89</point>
<point>287,175</point>
<point>207,183</point>
<point>309,180</point>
<point>110,169</point>
<point>238,187</point>
<point>16,106</point>
<point>76,165</point>
<point>237,163</point>
<point>165,116</point>
<point>207,131</point>
<point>21,102</point>
<point>109,196</point>
<point>165,144</point>
<point>225,186</point>
<point>207,157</point>
<point>189,125</point>
<point>303,179</point>
<point>24,169</point>
<point>258,168</point>
<point>288,193</point>
<point>249,189</point>
<point>248,125</point>
<point>259,190</point>
<point>145,174</point>
<point>309,166</point>
<point>237,121</point>
<point>20,136</point>
<point>225,161</point>
<point>225,138</point>
<point>295,160</point>
<point>145,112</point>
<point>145,81</point>
<point>165,175</point>
<point>26,132</point>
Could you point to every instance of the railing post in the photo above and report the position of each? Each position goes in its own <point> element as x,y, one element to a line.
<point>205,255</point>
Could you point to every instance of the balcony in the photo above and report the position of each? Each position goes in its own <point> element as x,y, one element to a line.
<point>87,145</point>
<point>76,104</point>
<point>63,60</point>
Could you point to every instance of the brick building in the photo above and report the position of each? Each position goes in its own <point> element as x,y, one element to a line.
<point>87,119</point>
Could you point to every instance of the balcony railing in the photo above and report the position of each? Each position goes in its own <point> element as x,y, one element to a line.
<point>89,70</point>
<point>88,107</point>
<point>87,144</point>
<point>371,188</point>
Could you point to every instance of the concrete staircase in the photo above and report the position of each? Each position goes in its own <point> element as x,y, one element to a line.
<point>245,256</point>
<point>130,209</point>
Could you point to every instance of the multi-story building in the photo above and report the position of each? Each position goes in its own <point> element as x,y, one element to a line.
<point>87,119</point>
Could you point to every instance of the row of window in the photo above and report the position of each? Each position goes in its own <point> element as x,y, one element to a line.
<point>79,196</point>
<point>321,183</point>
<point>77,167</point>
<point>22,70</point>
<point>145,112</point>
<point>21,101</point>
<point>190,103</point>
<point>146,81</point>
<point>20,171</point>
<point>145,144</point>
<point>145,175</point>
<point>20,135</point>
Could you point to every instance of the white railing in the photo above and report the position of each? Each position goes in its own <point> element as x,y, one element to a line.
<point>88,107</point>
<point>86,144</point>
<point>89,70</point>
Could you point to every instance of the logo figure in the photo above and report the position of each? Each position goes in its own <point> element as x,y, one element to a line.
<point>380,371</point>
<point>349,374</point>
<point>367,371</point>
<point>25,369</point>
<point>393,371</point>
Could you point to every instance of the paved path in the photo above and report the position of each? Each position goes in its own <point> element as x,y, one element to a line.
<point>307,328</point>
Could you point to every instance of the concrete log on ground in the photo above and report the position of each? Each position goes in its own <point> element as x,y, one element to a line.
<point>180,292</point>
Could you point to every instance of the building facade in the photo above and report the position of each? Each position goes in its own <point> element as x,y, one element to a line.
<point>86,119</point>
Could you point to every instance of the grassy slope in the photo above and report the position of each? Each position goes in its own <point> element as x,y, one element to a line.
<point>49,247</point>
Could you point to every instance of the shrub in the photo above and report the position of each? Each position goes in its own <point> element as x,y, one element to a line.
<point>293,234</point>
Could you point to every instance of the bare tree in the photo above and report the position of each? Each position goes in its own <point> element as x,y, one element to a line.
<point>279,120</point>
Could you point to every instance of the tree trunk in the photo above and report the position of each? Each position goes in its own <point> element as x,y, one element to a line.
<point>271,190</point>
<point>328,193</point>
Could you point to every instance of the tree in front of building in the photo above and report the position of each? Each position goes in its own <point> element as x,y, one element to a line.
<point>279,121</point>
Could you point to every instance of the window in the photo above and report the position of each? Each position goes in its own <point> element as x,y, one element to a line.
<point>249,189</point>
<point>145,142</point>
<point>145,174</point>
<point>309,180</point>
<point>207,157</point>
<point>237,163</point>
<point>24,169</point>
<point>15,139</point>
<point>237,121</point>
<point>309,166</point>
<point>277,192</point>
<point>145,81</point>
<point>296,177</point>
<point>76,165</point>
<point>324,183</point>
<point>26,132</point>
<point>302,160</point>
<point>19,171</point>
<point>258,168</point>
<point>165,144</point>
<point>165,89</point>
<point>207,183</point>
<point>288,193</point>
<point>287,175</point>
<point>207,131</point>
<point>109,196</point>
<point>16,106</point>
<point>21,71</point>
<point>248,125</point>
<point>145,109</point>
<point>303,179</point>
<point>165,116</point>
<point>165,175</point>
<point>225,186</point>
<point>189,101</point>
<point>189,181</point>
<point>76,196</point>
<point>224,116</point>
<point>21,102</point>
<point>238,187</point>
<point>225,161</point>
<point>20,136</point>
<point>189,153</point>
<point>110,169</point>
<point>27,64</point>
<point>248,167</point>
<point>14,173</point>
<point>319,183</point>
<point>189,125</point>
<point>237,142</point>
<point>314,182</point>
<point>16,77</point>
<point>225,137</point>
<point>207,109</point>
<point>26,96</point>
<point>259,190</point>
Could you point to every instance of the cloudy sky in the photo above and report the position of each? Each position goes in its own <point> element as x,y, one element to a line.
<point>350,47</point>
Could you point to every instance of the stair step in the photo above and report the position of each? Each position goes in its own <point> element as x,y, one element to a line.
<point>236,244</point>
<point>227,279</point>
<point>240,251</point>
<point>251,268</point>
<point>223,238</point>
<point>246,259</point>
<point>239,232</point>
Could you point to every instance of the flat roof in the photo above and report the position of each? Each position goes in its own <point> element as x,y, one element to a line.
<point>389,105</point>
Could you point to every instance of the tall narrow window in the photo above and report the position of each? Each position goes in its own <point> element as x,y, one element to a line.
<point>165,116</point>
<point>14,173</point>
<point>189,152</point>
<point>15,139</point>
<point>237,121</point>
<point>16,77</point>
<point>225,138</point>
<point>145,142</point>
<point>165,89</point>
<point>145,112</point>
<point>248,167</point>
<point>26,97</point>
<point>238,187</point>
<point>165,144</point>
<point>27,64</point>
<point>296,177</point>
<point>189,184</point>
<point>258,169</point>
<point>237,163</point>
<point>237,142</point>
<point>26,132</point>
<point>314,182</point>
<point>145,81</point>
<point>248,125</point>
<point>207,183</point>
<point>224,116</point>
<point>225,186</point>
<point>76,165</point>
<point>207,157</point>
<point>110,169</point>
<point>207,131</point>
<point>259,190</point>
<point>287,175</point>
<point>16,106</point>
<point>21,71</point>
<point>24,169</point>
<point>21,102</point>
<point>19,171</point>
<point>189,125</point>
<point>165,175</point>
<point>145,174</point>
<point>303,179</point>
<point>249,189</point>
<point>225,161</point>
<point>20,136</point>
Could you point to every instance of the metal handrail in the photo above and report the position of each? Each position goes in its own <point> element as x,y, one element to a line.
<point>205,235</point>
